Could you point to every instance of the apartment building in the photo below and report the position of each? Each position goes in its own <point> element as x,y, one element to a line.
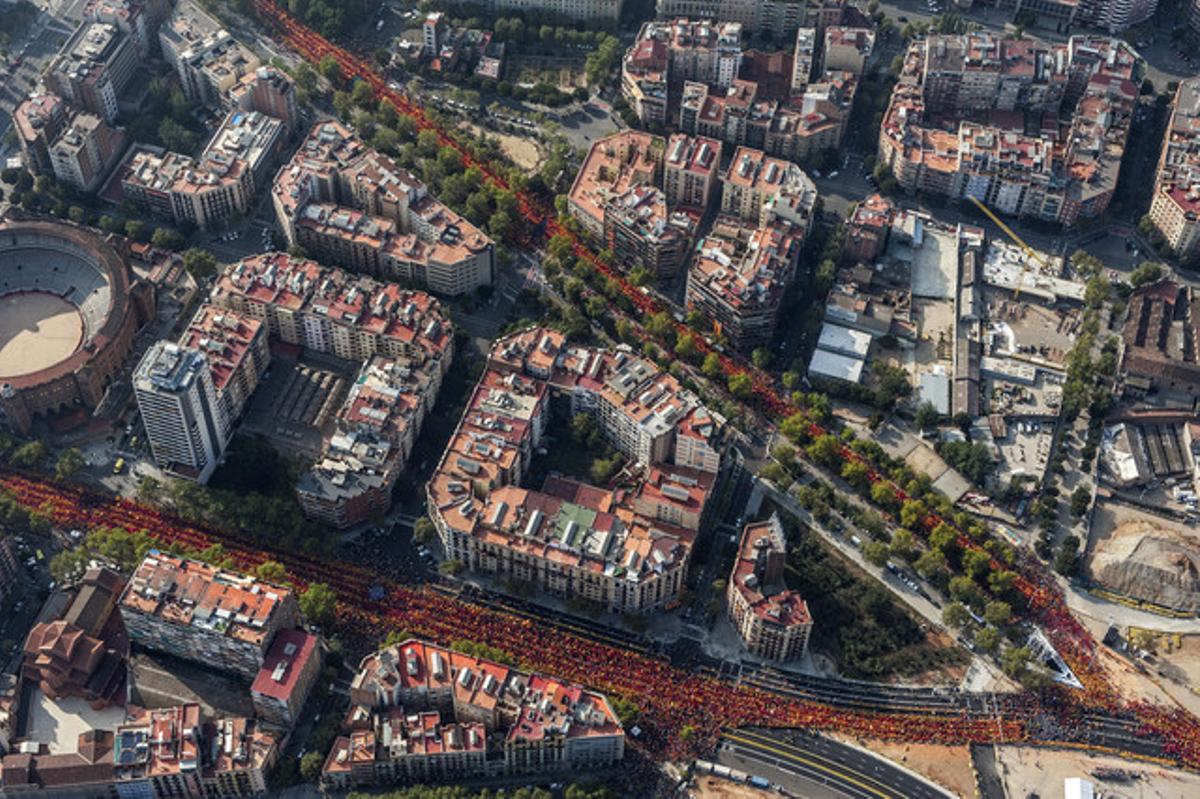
<point>251,137</point>
<point>203,192</point>
<point>1061,171</point>
<point>594,12</point>
<point>812,122</point>
<point>642,232</point>
<point>1175,207</point>
<point>867,229</point>
<point>847,49</point>
<point>347,203</point>
<point>37,121</point>
<point>330,310</point>
<point>375,431</point>
<point>804,59</point>
<point>137,19</point>
<point>179,408</point>
<point>1115,16</point>
<point>269,91</point>
<point>754,181</point>
<point>235,347</point>
<point>208,60</point>
<point>672,51</point>
<point>93,68</point>
<point>773,621</point>
<point>404,341</point>
<point>613,166</point>
<point>85,152</point>
<point>162,752</point>
<point>740,272</point>
<point>779,16</point>
<point>625,548</point>
<point>690,170</point>
<point>738,278</point>
<point>424,713</point>
<point>290,670</point>
<point>200,613</point>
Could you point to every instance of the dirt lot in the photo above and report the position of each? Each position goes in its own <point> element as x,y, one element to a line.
<point>1026,771</point>
<point>1031,325</point>
<point>717,788</point>
<point>1144,556</point>
<point>948,766</point>
<point>524,152</point>
<point>935,332</point>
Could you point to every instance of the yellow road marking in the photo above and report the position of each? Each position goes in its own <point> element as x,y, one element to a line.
<point>789,752</point>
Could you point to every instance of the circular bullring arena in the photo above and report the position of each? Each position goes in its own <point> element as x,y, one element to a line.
<point>69,309</point>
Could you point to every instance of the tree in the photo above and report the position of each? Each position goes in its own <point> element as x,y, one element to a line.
<point>988,639</point>
<point>997,613</point>
<point>318,603</point>
<point>930,563</point>
<point>976,563</point>
<point>927,416</point>
<point>69,463</point>
<point>424,530</point>
<point>271,571</point>
<point>1081,499</point>
<point>311,765</point>
<point>29,455</point>
<point>876,552</point>
<point>1147,272</point>
<point>955,615</point>
<point>741,386</point>
<point>200,263</point>
<point>685,347</point>
<point>166,239</point>
<point>902,544</point>
<point>712,366</point>
<point>1068,551</point>
<point>761,358</point>
<point>451,567</point>
<point>825,450</point>
<point>1015,661</point>
<point>662,327</point>
<point>965,590</point>
<point>912,513</point>
<point>686,733</point>
<point>330,70</point>
<point>135,229</point>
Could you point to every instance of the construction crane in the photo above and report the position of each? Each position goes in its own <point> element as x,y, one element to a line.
<point>1029,251</point>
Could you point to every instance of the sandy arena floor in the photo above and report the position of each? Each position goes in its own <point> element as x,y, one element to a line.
<point>37,330</point>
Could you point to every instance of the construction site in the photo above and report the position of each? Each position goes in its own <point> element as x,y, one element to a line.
<point>1144,556</point>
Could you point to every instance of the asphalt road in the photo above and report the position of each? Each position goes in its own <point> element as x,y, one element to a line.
<point>800,757</point>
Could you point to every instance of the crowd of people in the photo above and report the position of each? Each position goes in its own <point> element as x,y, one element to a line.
<point>682,713</point>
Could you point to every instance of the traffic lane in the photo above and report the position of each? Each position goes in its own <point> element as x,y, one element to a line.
<point>852,772</point>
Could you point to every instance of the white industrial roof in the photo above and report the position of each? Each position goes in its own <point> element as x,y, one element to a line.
<point>831,364</point>
<point>935,389</point>
<point>843,340</point>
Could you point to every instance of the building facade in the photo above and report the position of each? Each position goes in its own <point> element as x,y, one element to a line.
<point>774,622</point>
<point>199,613</point>
<point>421,712</point>
<point>347,203</point>
<point>179,408</point>
<point>1057,173</point>
<point>623,548</point>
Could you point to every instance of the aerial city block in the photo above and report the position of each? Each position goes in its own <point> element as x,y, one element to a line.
<point>591,399</point>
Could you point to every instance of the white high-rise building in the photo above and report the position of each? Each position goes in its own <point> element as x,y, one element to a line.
<point>179,407</point>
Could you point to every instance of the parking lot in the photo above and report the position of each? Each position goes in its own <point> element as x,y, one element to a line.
<point>295,404</point>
